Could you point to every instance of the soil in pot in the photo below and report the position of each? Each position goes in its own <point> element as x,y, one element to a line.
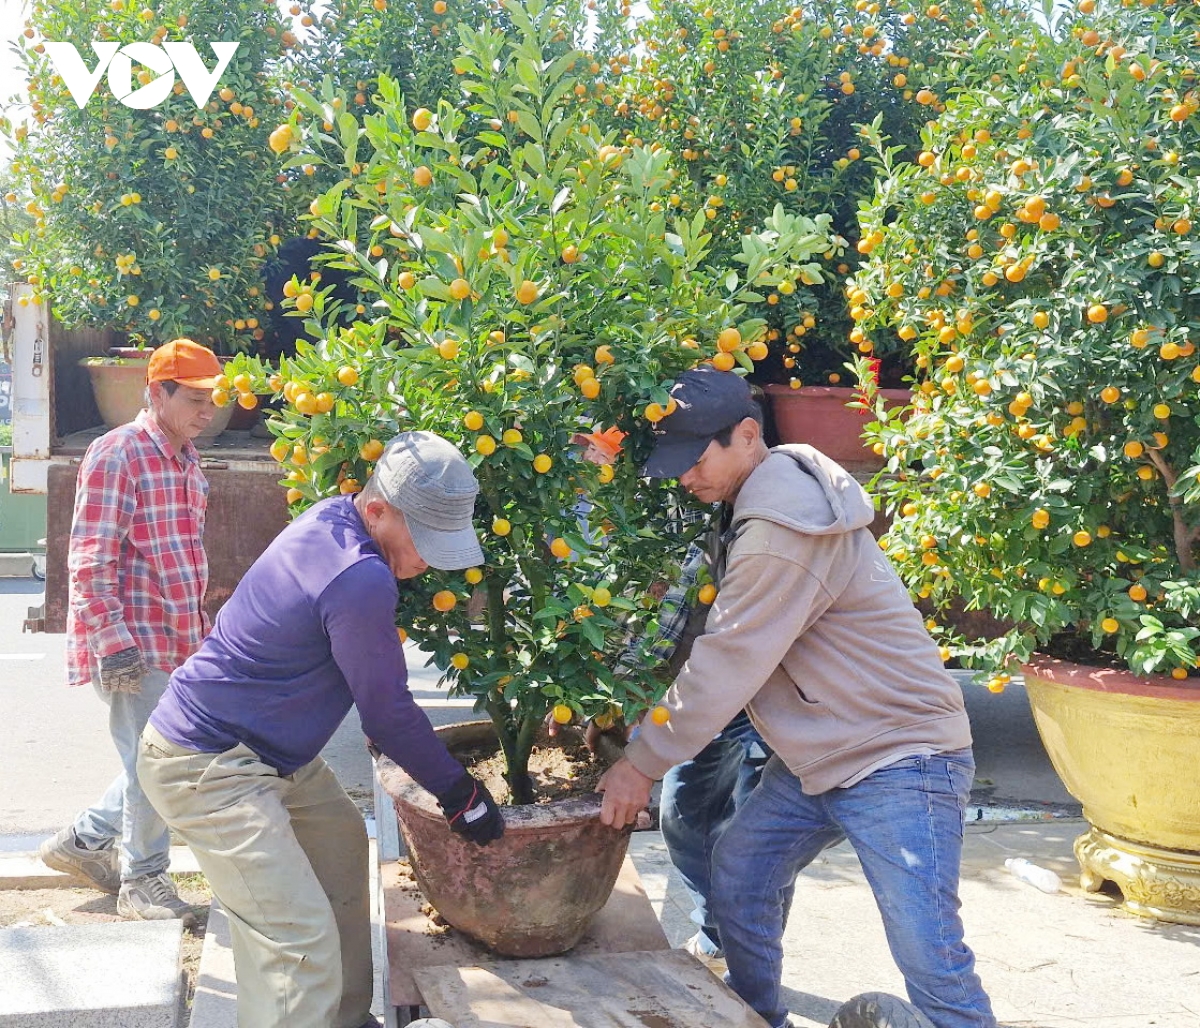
<point>559,769</point>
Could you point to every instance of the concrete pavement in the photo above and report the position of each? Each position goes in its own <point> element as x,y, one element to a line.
<point>1066,960</point>
<point>57,750</point>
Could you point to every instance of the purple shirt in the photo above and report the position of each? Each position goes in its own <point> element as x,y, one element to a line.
<point>309,632</point>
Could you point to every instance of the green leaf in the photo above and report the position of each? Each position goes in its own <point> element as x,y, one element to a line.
<point>434,287</point>
<point>560,199</point>
<point>592,632</point>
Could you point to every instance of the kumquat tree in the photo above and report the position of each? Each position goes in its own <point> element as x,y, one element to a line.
<point>764,100</point>
<point>1039,257</point>
<point>154,221</point>
<point>523,278</point>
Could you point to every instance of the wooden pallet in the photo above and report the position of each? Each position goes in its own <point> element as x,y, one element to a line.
<point>627,922</point>
<point>622,974</point>
<point>656,989</point>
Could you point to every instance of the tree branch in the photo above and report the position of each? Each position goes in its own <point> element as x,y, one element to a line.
<point>1185,537</point>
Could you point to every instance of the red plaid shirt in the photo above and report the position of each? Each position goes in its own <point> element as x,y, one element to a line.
<point>136,561</point>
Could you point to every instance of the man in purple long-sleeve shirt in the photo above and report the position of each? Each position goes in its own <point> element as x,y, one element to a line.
<point>230,757</point>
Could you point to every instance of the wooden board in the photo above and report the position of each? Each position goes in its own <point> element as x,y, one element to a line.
<point>670,989</point>
<point>626,923</point>
<point>230,446</point>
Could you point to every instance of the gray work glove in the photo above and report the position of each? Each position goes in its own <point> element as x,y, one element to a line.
<point>122,672</point>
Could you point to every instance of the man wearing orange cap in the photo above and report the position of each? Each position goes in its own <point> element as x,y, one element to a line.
<point>601,447</point>
<point>138,572</point>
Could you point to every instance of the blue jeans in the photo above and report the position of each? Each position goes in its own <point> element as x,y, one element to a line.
<point>905,822</point>
<point>123,814</point>
<point>697,802</point>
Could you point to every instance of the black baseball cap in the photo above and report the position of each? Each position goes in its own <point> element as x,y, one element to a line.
<point>706,402</point>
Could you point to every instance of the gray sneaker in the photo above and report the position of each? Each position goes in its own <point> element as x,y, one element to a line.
<point>65,853</point>
<point>153,898</point>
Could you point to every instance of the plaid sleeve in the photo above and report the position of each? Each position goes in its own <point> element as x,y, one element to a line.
<point>104,510</point>
<point>673,615</point>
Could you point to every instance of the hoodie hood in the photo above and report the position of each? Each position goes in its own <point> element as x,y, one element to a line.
<point>800,488</point>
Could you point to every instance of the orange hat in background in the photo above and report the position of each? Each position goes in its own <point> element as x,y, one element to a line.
<point>185,362</point>
<point>609,440</point>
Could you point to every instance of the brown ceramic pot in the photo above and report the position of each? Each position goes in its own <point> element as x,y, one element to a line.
<point>531,893</point>
<point>818,415</point>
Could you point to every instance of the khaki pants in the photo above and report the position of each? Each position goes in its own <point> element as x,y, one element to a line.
<point>287,858</point>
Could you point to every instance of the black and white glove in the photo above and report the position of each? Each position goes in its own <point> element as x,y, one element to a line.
<point>122,671</point>
<point>471,811</point>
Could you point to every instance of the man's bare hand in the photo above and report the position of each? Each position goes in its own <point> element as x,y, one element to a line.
<point>626,794</point>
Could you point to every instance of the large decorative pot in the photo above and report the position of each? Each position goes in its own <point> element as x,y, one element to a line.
<point>119,385</point>
<point>818,415</point>
<point>1127,748</point>
<point>531,893</point>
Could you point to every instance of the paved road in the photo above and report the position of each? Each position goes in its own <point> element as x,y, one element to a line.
<point>58,757</point>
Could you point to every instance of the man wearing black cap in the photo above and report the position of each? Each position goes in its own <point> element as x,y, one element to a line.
<point>230,756</point>
<point>812,633</point>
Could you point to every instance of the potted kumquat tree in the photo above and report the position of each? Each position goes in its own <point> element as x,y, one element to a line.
<point>150,222</point>
<point>1038,256</point>
<point>523,278</point>
<point>764,100</point>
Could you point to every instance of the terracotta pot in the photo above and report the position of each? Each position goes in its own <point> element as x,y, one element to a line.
<point>531,893</point>
<point>1124,746</point>
<point>241,419</point>
<point>818,415</point>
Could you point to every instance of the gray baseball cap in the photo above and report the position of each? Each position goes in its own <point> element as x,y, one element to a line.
<point>430,482</point>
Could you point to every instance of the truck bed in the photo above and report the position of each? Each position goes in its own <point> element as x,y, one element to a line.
<point>230,446</point>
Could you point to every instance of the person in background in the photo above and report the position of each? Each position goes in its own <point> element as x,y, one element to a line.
<point>297,257</point>
<point>814,635</point>
<point>138,572</point>
<point>231,756</point>
<point>601,446</point>
<point>699,796</point>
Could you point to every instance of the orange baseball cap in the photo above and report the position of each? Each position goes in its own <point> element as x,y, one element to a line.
<point>186,362</point>
<point>609,440</point>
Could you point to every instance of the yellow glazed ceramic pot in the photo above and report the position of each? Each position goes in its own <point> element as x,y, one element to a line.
<point>1127,747</point>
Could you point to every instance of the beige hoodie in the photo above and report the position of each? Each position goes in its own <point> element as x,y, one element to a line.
<point>814,634</point>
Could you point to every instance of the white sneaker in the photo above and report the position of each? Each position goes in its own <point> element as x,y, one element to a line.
<point>715,962</point>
